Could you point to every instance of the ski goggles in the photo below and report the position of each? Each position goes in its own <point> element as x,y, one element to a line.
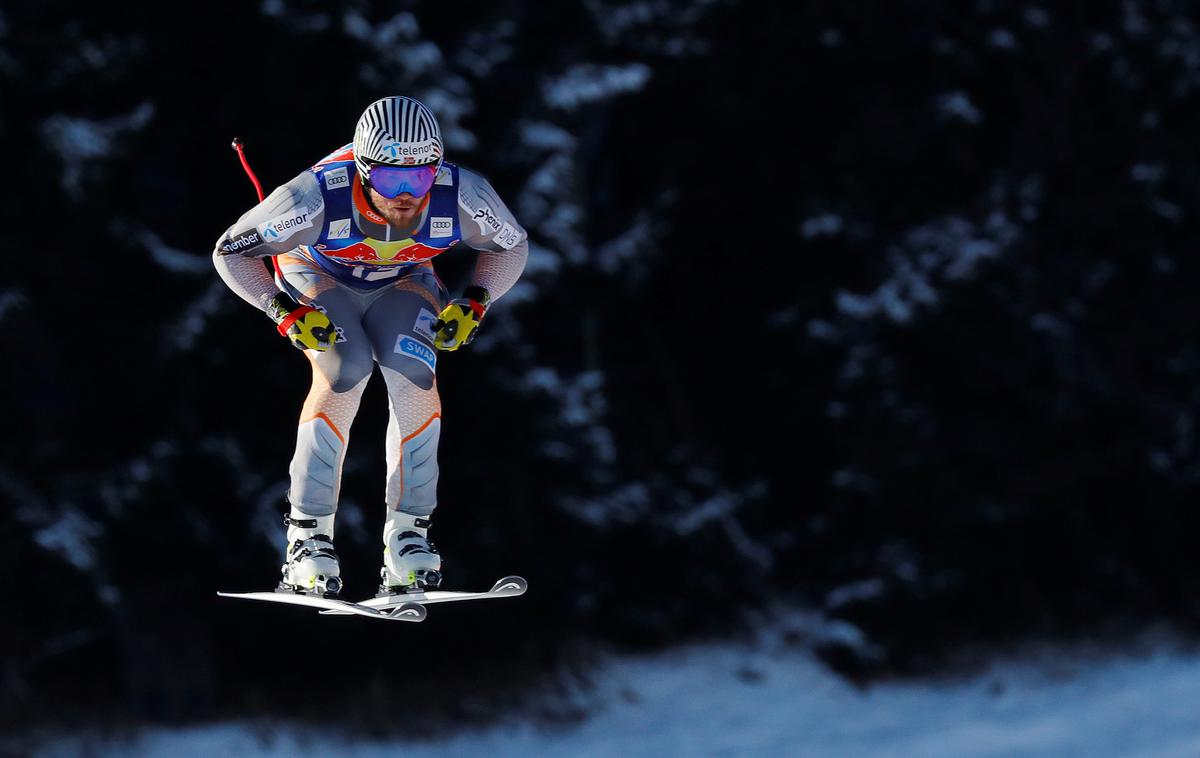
<point>393,181</point>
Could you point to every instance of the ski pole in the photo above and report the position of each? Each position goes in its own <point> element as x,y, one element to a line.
<point>241,151</point>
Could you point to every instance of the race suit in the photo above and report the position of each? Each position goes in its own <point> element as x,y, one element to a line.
<point>332,250</point>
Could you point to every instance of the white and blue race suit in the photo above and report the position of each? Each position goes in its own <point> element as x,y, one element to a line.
<point>330,248</point>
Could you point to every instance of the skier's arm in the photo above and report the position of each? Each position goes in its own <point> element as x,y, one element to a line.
<point>490,227</point>
<point>289,217</point>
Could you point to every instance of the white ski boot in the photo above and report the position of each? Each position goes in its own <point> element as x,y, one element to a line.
<point>410,561</point>
<point>312,565</point>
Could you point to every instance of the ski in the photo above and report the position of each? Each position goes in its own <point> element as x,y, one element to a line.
<point>509,586</point>
<point>402,611</point>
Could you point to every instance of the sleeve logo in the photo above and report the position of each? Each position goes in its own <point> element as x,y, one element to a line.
<point>278,229</point>
<point>243,241</point>
<point>508,237</point>
<point>486,220</point>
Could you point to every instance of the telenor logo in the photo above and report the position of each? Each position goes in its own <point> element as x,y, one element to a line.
<point>400,149</point>
<point>285,226</point>
<point>424,324</point>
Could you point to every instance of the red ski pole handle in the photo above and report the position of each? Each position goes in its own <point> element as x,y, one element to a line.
<point>241,151</point>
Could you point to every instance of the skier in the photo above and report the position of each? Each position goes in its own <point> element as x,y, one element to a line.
<point>352,240</point>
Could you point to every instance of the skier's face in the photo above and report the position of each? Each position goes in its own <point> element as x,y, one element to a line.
<point>400,211</point>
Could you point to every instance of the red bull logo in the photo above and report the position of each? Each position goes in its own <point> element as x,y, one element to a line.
<point>374,252</point>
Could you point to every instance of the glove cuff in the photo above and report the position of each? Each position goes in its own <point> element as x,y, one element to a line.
<point>280,306</point>
<point>284,311</point>
<point>292,318</point>
<point>480,299</point>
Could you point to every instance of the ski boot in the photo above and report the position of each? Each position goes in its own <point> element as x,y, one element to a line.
<point>410,561</point>
<point>312,565</point>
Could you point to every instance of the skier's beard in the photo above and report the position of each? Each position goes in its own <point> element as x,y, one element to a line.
<point>401,212</point>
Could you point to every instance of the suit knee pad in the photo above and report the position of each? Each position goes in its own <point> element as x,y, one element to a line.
<point>421,470</point>
<point>316,468</point>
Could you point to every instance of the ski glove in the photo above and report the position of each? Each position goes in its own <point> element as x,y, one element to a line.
<point>306,326</point>
<point>457,323</point>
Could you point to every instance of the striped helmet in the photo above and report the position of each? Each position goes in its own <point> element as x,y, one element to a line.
<point>399,131</point>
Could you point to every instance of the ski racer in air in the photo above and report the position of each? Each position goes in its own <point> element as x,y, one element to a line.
<point>351,241</point>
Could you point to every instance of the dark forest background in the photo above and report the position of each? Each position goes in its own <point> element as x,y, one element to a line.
<point>876,321</point>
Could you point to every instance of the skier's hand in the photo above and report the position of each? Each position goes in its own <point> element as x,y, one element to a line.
<point>307,327</point>
<point>457,323</point>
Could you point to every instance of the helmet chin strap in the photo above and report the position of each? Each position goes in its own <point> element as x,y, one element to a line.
<point>367,194</point>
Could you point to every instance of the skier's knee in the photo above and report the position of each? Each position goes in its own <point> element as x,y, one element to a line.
<point>348,375</point>
<point>417,369</point>
<point>418,374</point>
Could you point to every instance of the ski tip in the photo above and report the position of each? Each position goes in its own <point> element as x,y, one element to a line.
<point>510,585</point>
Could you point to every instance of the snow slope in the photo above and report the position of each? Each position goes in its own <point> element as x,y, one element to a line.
<point>732,701</point>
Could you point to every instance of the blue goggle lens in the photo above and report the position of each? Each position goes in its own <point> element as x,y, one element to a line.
<point>393,181</point>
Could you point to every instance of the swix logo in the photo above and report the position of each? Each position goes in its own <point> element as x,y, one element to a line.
<point>407,346</point>
<point>243,241</point>
<point>441,226</point>
<point>285,226</point>
<point>487,220</point>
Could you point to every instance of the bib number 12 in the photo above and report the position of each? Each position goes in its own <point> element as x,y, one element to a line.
<point>373,274</point>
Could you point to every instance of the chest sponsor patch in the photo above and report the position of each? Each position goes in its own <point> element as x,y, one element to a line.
<point>339,229</point>
<point>441,226</point>
<point>444,176</point>
<point>282,227</point>
<point>336,178</point>
<point>415,349</point>
<point>508,236</point>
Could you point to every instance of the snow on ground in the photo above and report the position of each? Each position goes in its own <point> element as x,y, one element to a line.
<point>728,700</point>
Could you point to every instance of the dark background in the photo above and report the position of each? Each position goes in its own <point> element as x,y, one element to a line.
<point>880,315</point>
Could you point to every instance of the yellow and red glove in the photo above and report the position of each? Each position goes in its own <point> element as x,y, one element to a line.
<point>307,328</point>
<point>457,323</point>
